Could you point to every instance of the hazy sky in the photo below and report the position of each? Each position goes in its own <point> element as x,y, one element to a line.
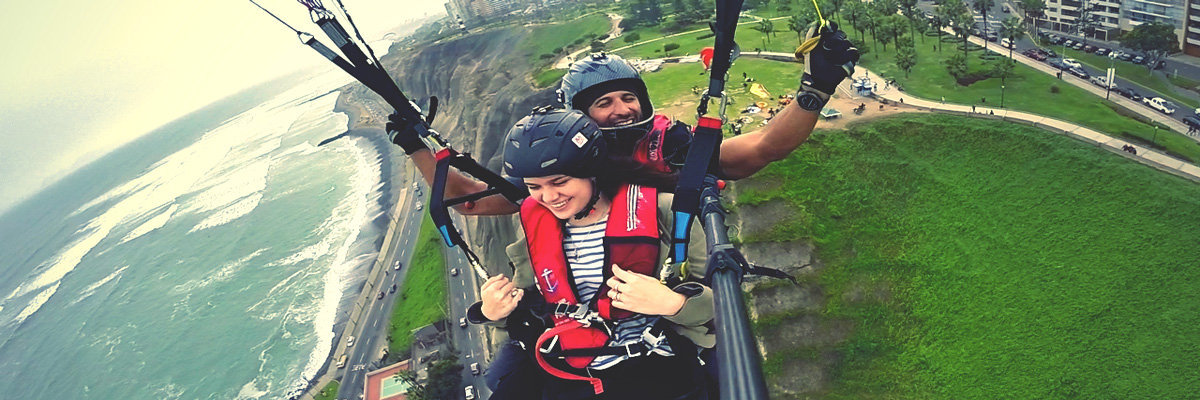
<point>80,78</point>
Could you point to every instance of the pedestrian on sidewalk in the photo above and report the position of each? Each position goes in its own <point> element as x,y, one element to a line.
<point>943,99</point>
<point>972,108</point>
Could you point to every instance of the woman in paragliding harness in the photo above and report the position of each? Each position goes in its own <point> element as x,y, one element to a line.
<point>608,317</point>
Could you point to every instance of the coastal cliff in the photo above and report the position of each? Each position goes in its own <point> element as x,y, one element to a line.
<point>483,87</point>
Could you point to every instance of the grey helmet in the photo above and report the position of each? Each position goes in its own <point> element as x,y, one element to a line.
<point>554,141</point>
<point>600,73</point>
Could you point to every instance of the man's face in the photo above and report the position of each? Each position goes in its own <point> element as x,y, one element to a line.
<point>615,109</point>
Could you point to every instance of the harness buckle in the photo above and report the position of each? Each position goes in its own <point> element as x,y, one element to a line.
<point>651,339</point>
<point>580,314</point>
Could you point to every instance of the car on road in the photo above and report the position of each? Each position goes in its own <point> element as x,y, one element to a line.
<point>416,185</point>
<point>1102,81</point>
<point>462,322</point>
<point>1161,105</point>
<point>1129,93</point>
<point>1079,72</point>
<point>1192,121</point>
<point>350,341</point>
<point>1071,63</point>
<point>1138,60</point>
<point>380,295</point>
<point>470,392</point>
<point>453,271</point>
<point>341,363</point>
<point>1077,46</point>
<point>1102,51</point>
<point>1007,43</point>
<point>397,265</point>
<point>418,206</point>
<point>393,289</point>
<point>474,368</point>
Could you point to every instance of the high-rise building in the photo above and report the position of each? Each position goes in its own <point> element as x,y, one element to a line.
<point>1107,19</point>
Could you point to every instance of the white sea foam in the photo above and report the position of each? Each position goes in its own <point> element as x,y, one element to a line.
<point>251,391</point>
<point>351,214</point>
<point>247,180</point>
<point>91,289</point>
<point>233,212</point>
<point>36,303</point>
<point>151,225</point>
<point>222,274</point>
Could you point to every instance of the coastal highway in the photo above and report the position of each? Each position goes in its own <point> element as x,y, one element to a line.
<point>371,329</point>
<point>470,341</point>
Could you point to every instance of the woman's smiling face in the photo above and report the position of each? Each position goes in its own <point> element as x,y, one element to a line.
<point>563,195</point>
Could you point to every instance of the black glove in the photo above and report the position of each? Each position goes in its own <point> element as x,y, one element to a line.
<point>831,61</point>
<point>403,133</point>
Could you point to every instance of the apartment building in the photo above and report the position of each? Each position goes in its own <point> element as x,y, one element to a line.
<point>1109,18</point>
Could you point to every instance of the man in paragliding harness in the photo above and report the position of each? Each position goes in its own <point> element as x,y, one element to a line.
<point>605,317</point>
<point>612,93</point>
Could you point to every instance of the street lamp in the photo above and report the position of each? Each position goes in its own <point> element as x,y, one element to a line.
<point>1112,75</point>
<point>1001,96</point>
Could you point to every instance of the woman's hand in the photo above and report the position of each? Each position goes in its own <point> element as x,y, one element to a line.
<point>500,297</point>
<point>642,294</point>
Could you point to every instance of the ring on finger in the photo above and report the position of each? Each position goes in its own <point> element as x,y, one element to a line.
<point>514,293</point>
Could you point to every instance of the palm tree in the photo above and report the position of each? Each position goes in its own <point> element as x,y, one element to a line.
<point>1010,29</point>
<point>983,6</point>
<point>909,8</point>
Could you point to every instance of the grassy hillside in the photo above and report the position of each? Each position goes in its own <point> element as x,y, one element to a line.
<point>1015,263</point>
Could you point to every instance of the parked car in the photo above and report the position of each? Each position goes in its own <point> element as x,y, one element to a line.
<point>1071,63</point>
<point>1007,43</point>
<point>470,392</point>
<point>1102,81</point>
<point>1160,105</point>
<point>992,37</point>
<point>1089,48</point>
<point>1055,39</point>
<point>1077,46</point>
<point>475,369</point>
<point>1102,51</point>
<point>1192,122</point>
<point>350,341</point>
<point>1050,53</point>
<point>1160,64</point>
<point>1068,43</point>
<point>1124,56</point>
<point>1129,93</point>
<point>1079,72</point>
<point>1138,60</point>
<point>462,322</point>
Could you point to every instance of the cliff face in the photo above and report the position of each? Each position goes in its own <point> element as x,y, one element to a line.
<point>483,88</point>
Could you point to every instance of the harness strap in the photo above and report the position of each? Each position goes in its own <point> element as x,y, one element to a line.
<point>597,386</point>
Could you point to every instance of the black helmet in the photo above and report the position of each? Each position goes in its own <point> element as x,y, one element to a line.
<point>550,142</point>
<point>598,74</point>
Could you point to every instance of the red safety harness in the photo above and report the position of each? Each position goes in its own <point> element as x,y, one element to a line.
<point>649,149</point>
<point>631,240</point>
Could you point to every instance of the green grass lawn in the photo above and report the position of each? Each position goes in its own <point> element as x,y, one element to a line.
<point>329,392</point>
<point>545,38</point>
<point>1027,90</point>
<point>672,86</point>
<point>422,300</point>
<point>1135,73</point>
<point>691,43</point>
<point>1016,263</point>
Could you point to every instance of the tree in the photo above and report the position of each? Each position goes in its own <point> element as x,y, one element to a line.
<point>678,6</point>
<point>416,391</point>
<point>956,65</point>
<point>950,12</point>
<point>1010,29</point>
<point>909,8</point>
<point>1003,67</point>
<point>1032,9</point>
<point>1154,40</point>
<point>766,27</point>
<point>1086,23</point>
<point>857,13</point>
<point>936,24</point>
<point>668,47</point>
<point>799,23</point>
<point>906,58</point>
<point>983,6</point>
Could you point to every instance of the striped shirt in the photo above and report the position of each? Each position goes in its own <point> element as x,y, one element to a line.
<point>584,248</point>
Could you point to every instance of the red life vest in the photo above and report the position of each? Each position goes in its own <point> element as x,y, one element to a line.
<point>631,240</point>
<point>649,150</point>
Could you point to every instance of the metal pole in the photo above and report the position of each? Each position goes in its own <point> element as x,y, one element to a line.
<point>738,364</point>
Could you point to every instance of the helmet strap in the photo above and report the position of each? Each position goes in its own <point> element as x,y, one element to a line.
<point>591,204</point>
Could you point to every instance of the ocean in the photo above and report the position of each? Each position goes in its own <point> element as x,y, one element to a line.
<point>214,258</point>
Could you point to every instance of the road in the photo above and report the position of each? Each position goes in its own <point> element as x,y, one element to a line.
<point>372,328</point>
<point>1173,121</point>
<point>470,341</point>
